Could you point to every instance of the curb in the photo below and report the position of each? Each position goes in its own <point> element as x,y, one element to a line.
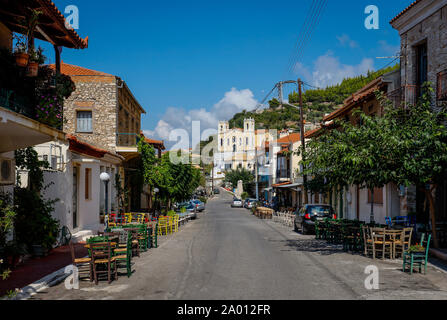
<point>42,284</point>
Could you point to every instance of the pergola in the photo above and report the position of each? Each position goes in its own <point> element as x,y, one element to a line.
<point>51,24</point>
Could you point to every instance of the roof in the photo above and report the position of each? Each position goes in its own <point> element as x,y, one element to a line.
<point>405,10</point>
<point>364,93</point>
<point>157,143</point>
<point>88,149</point>
<point>72,70</point>
<point>312,133</point>
<point>51,23</point>
<point>281,184</point>
<point>291,138</point>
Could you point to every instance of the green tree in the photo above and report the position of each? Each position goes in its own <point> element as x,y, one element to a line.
<point>242,174</point>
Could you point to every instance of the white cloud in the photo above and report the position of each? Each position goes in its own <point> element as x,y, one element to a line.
<point>328,70</point>
<point>388,49</point>
<point>234,101</point>
<point>345,40</point>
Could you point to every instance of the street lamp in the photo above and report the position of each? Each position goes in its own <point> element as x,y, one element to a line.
<point>105,177</point>
<point>156,190</point>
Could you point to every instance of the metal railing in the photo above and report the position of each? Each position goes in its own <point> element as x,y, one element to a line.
<point>127,139</point>
<point>406,95</point>
<point>10,100</point>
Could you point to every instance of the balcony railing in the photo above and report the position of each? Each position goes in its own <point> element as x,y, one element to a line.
<point>127,139</point>
<point>406,95</point>
<point>283,173</point>
<point>14,102</point>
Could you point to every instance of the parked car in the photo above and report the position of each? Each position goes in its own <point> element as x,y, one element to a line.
<point>216,191</point>
<point>306,216</point>
<point>191,208</point>
<point>199,204</point>
<point>237,203</point>
<point>249,203</point>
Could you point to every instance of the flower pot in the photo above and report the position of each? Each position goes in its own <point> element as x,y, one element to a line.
<point>22,59</point>
<point>32,69</point>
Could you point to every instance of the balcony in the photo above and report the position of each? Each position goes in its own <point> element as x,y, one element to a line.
<point>283,174</point>
<point>126,144</point>
<point>406,95</point>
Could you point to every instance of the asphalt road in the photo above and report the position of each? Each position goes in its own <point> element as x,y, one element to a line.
<point>230,254</point>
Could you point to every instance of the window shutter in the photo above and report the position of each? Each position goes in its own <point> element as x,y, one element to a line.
<point>84,121</point>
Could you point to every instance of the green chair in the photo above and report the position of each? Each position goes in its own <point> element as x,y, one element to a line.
<point>417,258</point>
<point>125,254</point>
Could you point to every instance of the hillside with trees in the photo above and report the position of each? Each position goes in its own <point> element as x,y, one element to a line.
<point>317,102</point>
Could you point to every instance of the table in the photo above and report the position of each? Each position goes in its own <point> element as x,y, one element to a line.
<point>392,234</point>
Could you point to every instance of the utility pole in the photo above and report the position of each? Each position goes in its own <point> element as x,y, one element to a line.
<point>212,179</point>
<point>303,145</point>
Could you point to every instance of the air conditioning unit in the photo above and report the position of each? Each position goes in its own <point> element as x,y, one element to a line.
<point>7,171</point>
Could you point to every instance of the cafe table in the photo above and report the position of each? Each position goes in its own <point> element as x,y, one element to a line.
<point>392,235</point>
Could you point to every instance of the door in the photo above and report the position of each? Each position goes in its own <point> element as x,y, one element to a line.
<point>75,197</point>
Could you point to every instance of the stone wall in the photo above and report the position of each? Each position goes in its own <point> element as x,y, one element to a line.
<point>100,97</point>
<point>433,31</point>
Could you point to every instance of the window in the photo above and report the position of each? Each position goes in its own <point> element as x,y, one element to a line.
<point>84,121</point>
<point>234,148</point>
<point>246,141</point>
<point>88,181</point>
<point>421,65</point>
<point>221,142</point>
<point>378,196</point>
<point>234,139</point>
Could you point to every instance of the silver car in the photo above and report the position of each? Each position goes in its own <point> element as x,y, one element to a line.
<point>237,203</point>
<point>198,204</point>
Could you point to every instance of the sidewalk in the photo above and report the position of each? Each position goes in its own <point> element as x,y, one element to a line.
<point>37,268</point>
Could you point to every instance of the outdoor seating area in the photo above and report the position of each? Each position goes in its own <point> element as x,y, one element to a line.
<point>284,217</point>
<point>127,236</point>
<point>395,241</point>
<point>263,213</point>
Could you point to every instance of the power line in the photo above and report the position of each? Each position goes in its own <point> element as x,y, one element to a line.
<point>310,14</point>
<point>307,35</point>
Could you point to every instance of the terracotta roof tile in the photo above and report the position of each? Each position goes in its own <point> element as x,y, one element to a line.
<point>291,138</point>
<point>72,70</point>
<point>405,10</point>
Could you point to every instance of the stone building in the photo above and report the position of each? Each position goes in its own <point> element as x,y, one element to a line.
<point>103,112</point>
<point>422,27</point>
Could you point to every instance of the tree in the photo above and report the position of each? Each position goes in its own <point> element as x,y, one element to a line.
<point>243,174</point>
<point>407,146</point>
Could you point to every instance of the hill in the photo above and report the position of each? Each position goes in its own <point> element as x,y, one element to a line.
<point>318,102</point>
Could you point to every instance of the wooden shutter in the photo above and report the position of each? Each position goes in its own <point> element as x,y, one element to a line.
<point>378,196</point>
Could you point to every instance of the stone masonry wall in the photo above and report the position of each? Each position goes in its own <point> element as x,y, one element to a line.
<point>434,31</point>
<point>101,98</point>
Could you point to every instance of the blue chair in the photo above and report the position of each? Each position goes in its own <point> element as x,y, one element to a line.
<point>388,221</point>
<point>417,258</point>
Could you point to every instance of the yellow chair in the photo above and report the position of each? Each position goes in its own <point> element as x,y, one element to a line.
<point>175,220</point>
<point>140,217</point>
<point>111,223</point>
<point>128,217</point>
<point>162,225</point>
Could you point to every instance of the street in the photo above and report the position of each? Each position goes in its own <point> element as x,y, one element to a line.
<point>230,254</point>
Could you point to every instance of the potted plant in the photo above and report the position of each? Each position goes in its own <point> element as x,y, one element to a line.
<point>20,52</point>
<point>36,58</point>
<point>416,249</point>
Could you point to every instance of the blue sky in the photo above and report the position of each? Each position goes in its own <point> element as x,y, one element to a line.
<point>203,60</point>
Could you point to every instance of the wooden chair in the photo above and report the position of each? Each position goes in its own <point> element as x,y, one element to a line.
<point>101,254</point>
<point>402,244</point>
<point>380,243</point>
<point>417,258</point>
<point>124,252</point>
<point>81,263</point>
<point>367,241</point>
